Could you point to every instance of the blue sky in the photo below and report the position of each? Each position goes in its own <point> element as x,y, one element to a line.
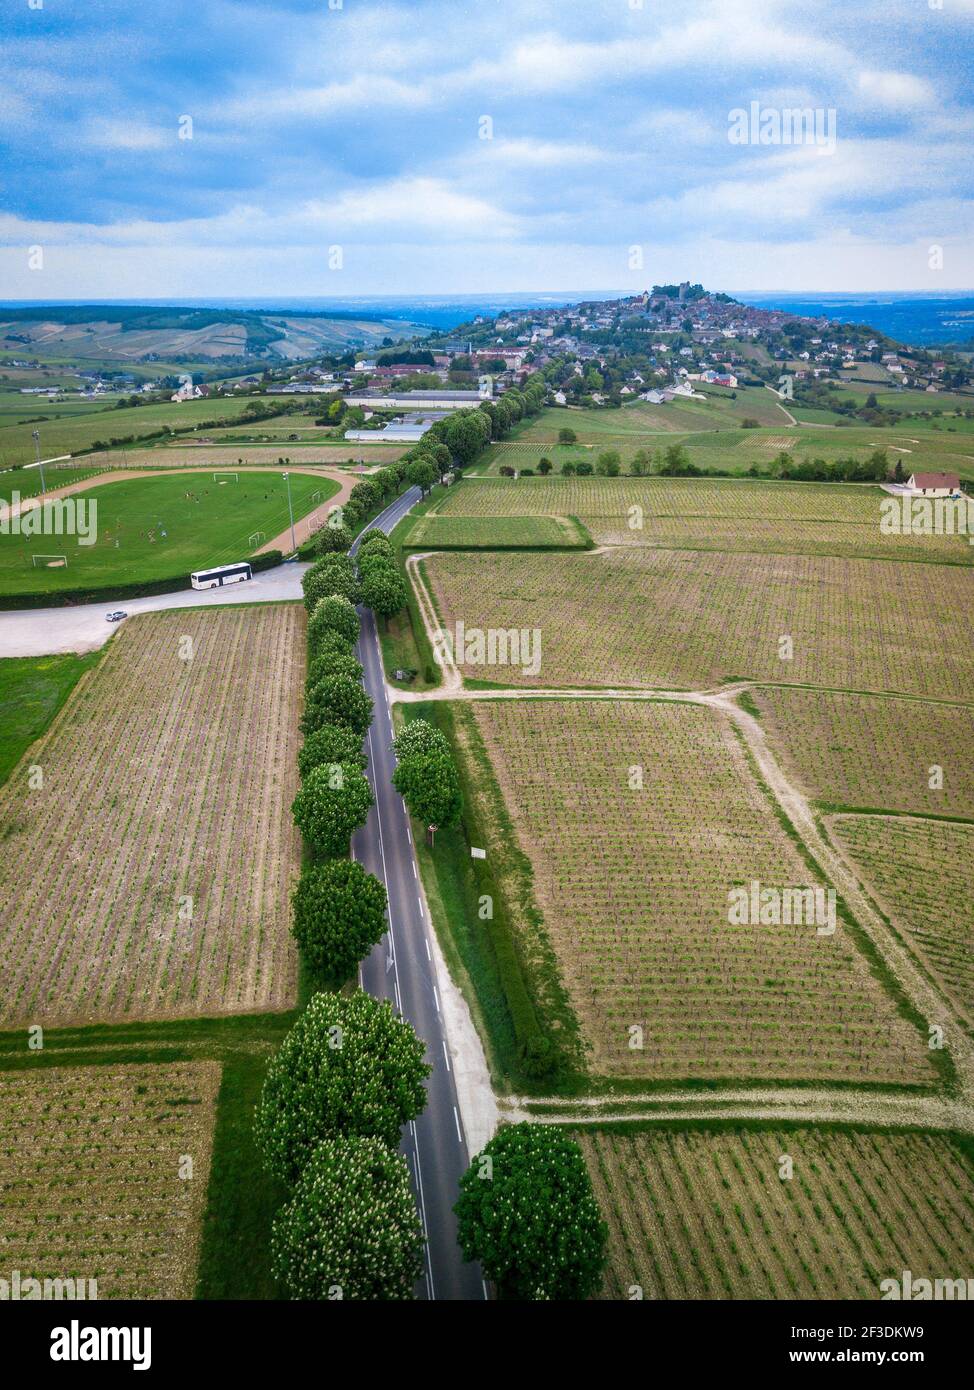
<point>358,125</point>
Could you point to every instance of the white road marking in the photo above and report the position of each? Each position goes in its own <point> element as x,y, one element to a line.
<point>456,1118</point>
<point>409,834</point>
<point>415,874</point>
<point>446,1056</point>
<point>436,997</point>
<point>427,945</point>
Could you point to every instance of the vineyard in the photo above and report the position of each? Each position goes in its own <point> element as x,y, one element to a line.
<point>669,619</point>
<point>873,753</point>
<point>705,1215</point>
<point>611,498</point>
<point>773,518</point>
<point>633,887</point>
<point>495,533</point>
<point>148,876</point>
<point>922,874</point>
<point>90,1170</point>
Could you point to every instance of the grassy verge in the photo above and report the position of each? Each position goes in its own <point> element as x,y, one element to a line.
<point>403,640</point>
<point>32,690</point>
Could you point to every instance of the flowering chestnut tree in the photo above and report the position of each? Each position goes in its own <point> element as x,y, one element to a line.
<point>351,1230</point>
<point>527,1213</point>
<point>349,1066</point>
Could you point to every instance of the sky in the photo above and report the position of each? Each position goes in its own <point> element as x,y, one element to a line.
<point>381,147</point>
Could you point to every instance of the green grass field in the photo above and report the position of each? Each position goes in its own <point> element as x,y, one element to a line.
<point>162,527</point>
<point>713,442</point>
<point>32,690</point>
<point>80,424</point>
<point>496,533</point>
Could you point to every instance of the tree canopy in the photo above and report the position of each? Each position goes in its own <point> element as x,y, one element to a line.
<point>333,801</point>
<point>351,1229</point>
<point>527,1213</point>
<point>338,916</point>
<point>349,1066</point>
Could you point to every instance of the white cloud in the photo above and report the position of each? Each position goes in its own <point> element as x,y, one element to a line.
<point>895,90</point>
<point>359,93</point>
<point>127,135</point>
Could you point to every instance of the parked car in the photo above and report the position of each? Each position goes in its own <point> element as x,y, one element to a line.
<point>115,617</point>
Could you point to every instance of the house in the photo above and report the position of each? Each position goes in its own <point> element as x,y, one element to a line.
<point>560,398</point>
<point>934,484</point>
<point>189,392</point>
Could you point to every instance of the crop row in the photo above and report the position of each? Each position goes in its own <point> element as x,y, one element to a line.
<point>922,873</point>
<point>779,1215</point>
<point>104,1174</point>
<point>873,752</point>
<point>690,619</point>
<point>148,875</point>
<point>633,884</point>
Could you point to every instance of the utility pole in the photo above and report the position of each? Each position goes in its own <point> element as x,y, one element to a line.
<point>294,543</point>
<point>37,450</point>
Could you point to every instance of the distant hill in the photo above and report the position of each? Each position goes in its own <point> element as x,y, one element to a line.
<point>126,334</point>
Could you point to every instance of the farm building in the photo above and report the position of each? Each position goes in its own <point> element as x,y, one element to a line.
<point>934,484</point>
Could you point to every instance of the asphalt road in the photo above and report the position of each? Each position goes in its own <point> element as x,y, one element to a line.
<point>82,627</point>
<point>401,969</point>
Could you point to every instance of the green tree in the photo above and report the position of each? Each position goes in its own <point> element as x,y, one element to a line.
<point>331,540</point>
<point>386,481</point>
<point>339,699</point>
<point>609,463</point>
<point>351,1230</point>
<point>335,574</point>
<point>384,590</point>
<point>349,1066</point>
<point>333,801</point>
<point>338,916</point>
<point>419,737</point>
<point>566,436</point>
<point>330,743</point>
<point>527,1213</point>
<point>422,474</point>
<point>319,696</point>
<point>430,785</point>
<point>328,642</point>
<point>332,614</point>
<point>374,541</point>
<point>544,467</point>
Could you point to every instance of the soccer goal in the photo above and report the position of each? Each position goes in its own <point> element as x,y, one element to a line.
<point>54,562</point>
<point>316,497</point>
<point>256,539</point>
<point>225,477</point>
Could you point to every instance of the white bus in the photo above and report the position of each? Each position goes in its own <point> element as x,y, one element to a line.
<point>223,574</point>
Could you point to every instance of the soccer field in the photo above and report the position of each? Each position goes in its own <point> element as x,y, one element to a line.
<point>161,527</point>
